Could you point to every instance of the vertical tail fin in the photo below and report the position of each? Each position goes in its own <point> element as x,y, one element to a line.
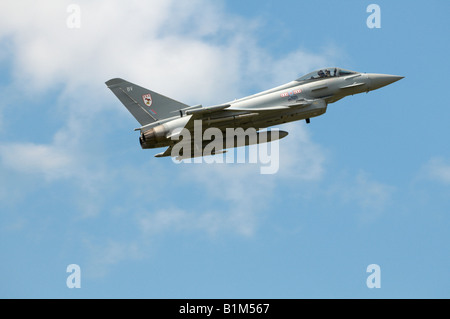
<point>145,105</point>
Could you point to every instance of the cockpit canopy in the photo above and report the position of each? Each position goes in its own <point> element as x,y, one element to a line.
<point>325,73</point>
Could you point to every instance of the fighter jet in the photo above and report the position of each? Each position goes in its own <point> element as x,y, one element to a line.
<point>163,120</point>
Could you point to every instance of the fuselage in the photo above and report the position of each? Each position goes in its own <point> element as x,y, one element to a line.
<point>302,99</point>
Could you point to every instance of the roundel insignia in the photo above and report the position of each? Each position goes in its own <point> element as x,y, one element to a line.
<point>147,98</point>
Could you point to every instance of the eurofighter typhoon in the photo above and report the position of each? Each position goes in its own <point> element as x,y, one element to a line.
<point>181,128</point>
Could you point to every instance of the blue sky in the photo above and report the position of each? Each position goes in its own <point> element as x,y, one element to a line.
<point>366,183</point>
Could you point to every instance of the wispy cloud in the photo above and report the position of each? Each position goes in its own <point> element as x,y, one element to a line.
<point>242,195</point>
<point>43,160</point>
<point>372,197</point>
<point>437,169</point>
<point>301,158</point>
<point>103,254</point>
<point>371,194</point>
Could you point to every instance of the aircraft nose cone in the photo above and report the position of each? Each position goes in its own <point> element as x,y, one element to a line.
<point>379,80</point>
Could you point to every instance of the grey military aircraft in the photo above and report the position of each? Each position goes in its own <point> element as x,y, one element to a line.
<point>163,120</point>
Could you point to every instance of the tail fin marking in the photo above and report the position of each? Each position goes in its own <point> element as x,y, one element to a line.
<point>145,105</point>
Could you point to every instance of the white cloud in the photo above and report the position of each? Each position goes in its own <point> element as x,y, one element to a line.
<point>30,158</point>
<point>193,51</point>
<point>172,220</point>
<point>190,50</point>
<point>238,193</point>
<point>130,39</point>
<point>370,196</point>
<point>163,220</point>
<point>437,169</point>
<point>102,254</point>
<point>301,158</point>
